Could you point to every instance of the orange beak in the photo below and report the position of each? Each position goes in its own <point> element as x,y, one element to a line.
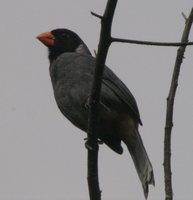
<point>46,38</point>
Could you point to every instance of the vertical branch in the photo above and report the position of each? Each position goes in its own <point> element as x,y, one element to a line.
<point>169,112</point>
<point>92,145</point>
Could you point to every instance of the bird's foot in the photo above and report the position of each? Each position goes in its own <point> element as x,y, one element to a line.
<point>90,145</point>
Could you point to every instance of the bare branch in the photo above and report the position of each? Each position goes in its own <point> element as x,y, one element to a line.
<point>174,44</point>
<point>104,43</point>
<point>169,112</point>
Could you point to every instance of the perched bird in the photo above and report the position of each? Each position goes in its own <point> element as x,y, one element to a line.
<point>72,70</point>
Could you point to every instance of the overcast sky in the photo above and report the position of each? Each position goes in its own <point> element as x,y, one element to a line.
<point>42,155</point>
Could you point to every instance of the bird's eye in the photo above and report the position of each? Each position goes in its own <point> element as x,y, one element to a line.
<point>64,35</point>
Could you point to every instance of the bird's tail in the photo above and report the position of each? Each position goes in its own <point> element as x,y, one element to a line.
<point>141,161</point>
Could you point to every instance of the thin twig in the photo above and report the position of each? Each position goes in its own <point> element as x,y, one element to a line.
<point>169,112</point>
<point>96,15</point>
<point>169,44</point>
<point>104,43</point>
<point>184,16</point>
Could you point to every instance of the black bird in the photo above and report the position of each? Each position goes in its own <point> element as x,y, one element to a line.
<point>71,70</point>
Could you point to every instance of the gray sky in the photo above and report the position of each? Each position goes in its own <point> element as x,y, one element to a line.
<point>42,154</point>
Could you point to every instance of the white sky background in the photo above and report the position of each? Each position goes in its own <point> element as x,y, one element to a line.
<point>42,155</point>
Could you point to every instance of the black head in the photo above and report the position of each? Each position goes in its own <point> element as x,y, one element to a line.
<point>61,41</point>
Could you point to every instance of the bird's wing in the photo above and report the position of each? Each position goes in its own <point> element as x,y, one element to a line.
<point>111,81</point>
<point>114,93</point>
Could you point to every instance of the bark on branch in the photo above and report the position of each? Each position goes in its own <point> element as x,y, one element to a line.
<point>169,111</point>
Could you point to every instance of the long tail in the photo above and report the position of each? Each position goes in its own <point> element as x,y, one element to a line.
<point>142,162</point>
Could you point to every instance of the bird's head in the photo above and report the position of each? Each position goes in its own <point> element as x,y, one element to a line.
<point>61,41</point>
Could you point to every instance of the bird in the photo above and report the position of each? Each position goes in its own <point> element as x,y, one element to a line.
<point>72,68</point>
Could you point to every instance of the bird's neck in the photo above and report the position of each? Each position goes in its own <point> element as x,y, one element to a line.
<point>81,49</point>
<point>52,55</point>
